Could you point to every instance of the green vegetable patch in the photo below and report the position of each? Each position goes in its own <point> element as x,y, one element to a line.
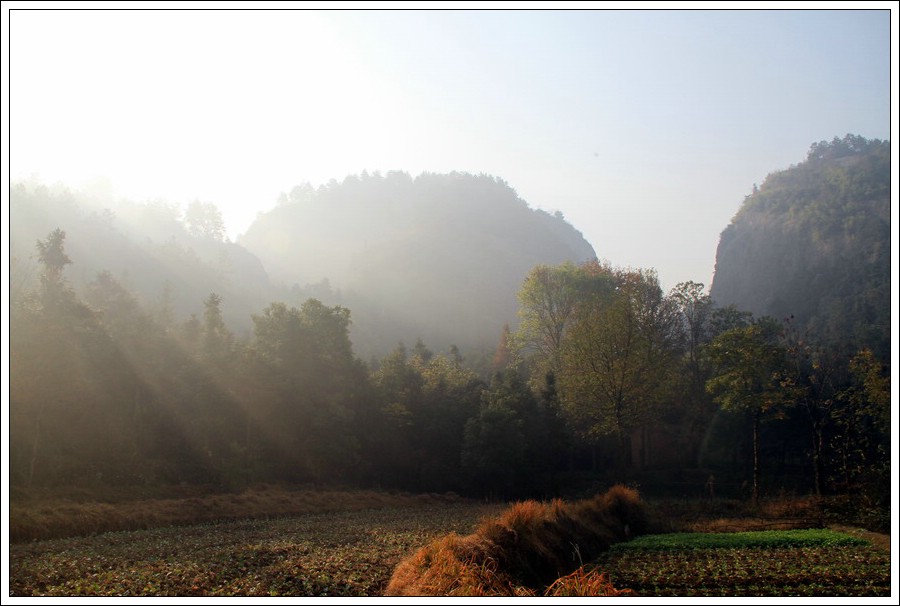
<point>768,563</point>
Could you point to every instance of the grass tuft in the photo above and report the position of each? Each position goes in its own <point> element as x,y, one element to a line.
<point>584,583</point>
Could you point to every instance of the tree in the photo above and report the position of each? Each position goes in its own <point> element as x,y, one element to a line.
<point>862,417</point>
<point>421,351</point>
<point>548,298</point>
<point>618,357</point>
<point>749,366</point>
<point>204,220</point>
<point>450,397</point>
<point>214,332</point>
<point>392,435</point>
<point>495,447</point>
<point>503,355</point>
<point>313,378</point>
<point>812,382</point>
<point>694,310</point>
<point>64,378</point>
<point>57,297</point>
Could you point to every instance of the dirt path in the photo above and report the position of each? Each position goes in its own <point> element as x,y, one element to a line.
<point>882,541</point>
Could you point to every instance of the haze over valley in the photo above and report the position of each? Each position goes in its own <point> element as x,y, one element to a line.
<point>291,279</point>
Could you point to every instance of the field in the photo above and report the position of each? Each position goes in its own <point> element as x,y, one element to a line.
<point>811,562</point>
<point>350,545</point>
<point>351,553</point>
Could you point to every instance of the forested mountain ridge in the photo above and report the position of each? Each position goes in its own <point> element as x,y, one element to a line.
<point>111,384</point>
<point>438,257</point>
<point>814,242</point>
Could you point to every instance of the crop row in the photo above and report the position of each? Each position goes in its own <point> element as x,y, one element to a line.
<point>337,554</point>
<point>847,570</point>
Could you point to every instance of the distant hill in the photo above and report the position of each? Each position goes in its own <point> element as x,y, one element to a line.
<point>146,247</point>
<point>438,257</point>
<point>814,242</point>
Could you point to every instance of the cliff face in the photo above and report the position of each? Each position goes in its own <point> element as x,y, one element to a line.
<point>813,242</point>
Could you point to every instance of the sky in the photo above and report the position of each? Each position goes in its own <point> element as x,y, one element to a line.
<point>645,128</point>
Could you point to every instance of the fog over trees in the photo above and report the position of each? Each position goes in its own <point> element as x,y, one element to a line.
<point>436,333</point>
<point>406,254</point>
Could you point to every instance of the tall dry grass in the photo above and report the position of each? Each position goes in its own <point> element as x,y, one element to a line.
<point>523,550</point>
<point>43,516</point>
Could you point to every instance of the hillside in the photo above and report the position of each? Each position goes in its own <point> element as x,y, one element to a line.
<point>436,257</point>
<point>146,247</point>
<point>814,242</point>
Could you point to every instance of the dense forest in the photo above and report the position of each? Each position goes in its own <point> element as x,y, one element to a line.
<point>603,374</point>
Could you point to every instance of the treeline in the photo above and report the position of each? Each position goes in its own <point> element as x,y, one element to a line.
<point>605,373</point>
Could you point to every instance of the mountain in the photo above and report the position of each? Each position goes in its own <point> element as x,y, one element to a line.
<point>814,242</point>
<point>439,257</point>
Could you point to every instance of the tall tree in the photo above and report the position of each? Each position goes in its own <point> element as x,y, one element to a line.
<point>694,310</point>
<point>216,339</point>
<point>749,368</point>
<point>313,377</point>
<point>812,381</point>
<point>548,298</point>
<point>496,444</point>
<point>617,358</point>
<point>62,373</point>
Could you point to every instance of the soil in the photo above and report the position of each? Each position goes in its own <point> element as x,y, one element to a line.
<point>882,541</point>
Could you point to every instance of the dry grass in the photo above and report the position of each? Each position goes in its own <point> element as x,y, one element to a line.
<point>523,550</point>
<point>584,583</point>
<point>49,517</point>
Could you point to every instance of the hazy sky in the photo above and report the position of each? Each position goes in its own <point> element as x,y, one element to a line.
<point>645,128</point>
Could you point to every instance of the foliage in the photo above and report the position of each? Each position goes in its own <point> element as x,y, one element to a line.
<point>137,374</point>
<point>513,444</point>
<point>204,220</point>
<point>414,438</point>
<point>861,443</point>
<point>618,356</point>
<point>547,300</point>
<point>749,366</point>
